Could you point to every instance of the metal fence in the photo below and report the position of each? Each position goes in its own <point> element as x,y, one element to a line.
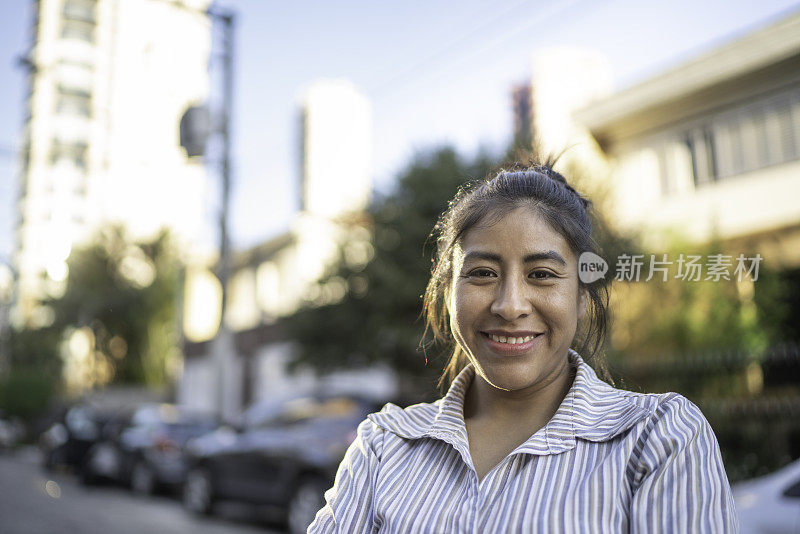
<point>751,399</point>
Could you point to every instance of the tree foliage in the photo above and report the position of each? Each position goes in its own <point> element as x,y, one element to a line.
<point>125,294</point>
<point>34,371</point>
<point>120,296</point>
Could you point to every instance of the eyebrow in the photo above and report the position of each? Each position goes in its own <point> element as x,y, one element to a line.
<point>536,256</point>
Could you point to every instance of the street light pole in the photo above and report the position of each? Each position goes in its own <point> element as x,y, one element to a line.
<point>194,133</point>
<point>224,346</point>
<point>227,19</point>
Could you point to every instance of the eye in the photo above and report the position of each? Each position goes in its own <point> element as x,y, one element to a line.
<point>541,275</point>
<point>481,272</point>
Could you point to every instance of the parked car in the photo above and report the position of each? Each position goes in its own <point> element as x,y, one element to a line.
<point>284,454</point>
<point>770,503</point>
<point>144,447</point>
<point>67,440</point>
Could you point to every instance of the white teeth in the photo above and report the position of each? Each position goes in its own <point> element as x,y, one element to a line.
<point>510,340</point>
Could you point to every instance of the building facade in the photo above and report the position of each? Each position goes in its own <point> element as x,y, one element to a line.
<point>108,83</point>
<point>711,148</point>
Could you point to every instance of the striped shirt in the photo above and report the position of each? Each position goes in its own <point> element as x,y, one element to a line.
<point>608,461</point>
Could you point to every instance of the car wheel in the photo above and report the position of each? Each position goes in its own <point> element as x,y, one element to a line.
<point>198,492</point>
<point>49,463</point>
<point>143,479</point>
<point>86,474</point>
<point>306,501</point>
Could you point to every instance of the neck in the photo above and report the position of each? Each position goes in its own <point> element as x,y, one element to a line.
<point>536,404</point>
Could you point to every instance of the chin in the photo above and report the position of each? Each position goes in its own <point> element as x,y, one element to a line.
<point>521,372</point>
<point>511,376</point>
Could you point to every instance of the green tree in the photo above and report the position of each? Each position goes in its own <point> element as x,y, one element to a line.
<point>125,294</point>
<point>34,372</point>
<point>121,295</point>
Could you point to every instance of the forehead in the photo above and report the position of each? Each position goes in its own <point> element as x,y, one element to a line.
<point>519,232</point>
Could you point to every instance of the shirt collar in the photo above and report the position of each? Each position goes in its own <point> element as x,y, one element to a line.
<point>592,410</point>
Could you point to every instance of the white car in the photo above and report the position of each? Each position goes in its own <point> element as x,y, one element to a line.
<point>770,504</point>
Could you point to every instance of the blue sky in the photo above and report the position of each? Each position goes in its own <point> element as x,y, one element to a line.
<point>436,72</point>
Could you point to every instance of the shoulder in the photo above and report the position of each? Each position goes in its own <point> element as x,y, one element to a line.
<point>668,408</point>
<point>675,426</point>
<point>604,411</point>
<point>411,422</point>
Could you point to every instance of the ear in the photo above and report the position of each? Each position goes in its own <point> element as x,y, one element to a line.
<point>583,300</point>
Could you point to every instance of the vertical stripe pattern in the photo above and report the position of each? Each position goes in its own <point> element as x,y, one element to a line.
<point>608,461</point>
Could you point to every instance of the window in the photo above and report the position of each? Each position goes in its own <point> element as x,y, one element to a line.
<point>77,29</point>
<point>793,490</point>
<point>785,131</point>
<point>74,102</point>
<point>753,136</point>
<point>80,10</point>
<point>72,152</point>
<point>700,143</point>
<point>728,148</point>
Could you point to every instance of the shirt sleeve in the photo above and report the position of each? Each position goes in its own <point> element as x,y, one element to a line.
<point>682,485</point>
<point>349,506</point>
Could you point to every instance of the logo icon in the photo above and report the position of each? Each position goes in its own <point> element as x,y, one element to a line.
<point>591,267</point>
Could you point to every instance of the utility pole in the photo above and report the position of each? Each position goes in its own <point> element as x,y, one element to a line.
<point>224,345</point>
<point>196,125</point>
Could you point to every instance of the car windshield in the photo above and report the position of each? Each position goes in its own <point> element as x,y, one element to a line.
<point>171,415</point>
<point>301,409</point>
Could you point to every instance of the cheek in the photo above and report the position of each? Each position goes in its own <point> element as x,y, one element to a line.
<point>465,306</point>
<point>563,307</point>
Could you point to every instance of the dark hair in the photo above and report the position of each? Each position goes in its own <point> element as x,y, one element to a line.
<point>564,209</point>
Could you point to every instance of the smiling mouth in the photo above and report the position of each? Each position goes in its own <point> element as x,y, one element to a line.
<point>510,340</point>
<point>521,342</point>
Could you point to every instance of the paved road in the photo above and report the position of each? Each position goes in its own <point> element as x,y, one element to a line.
<point>35,502</point>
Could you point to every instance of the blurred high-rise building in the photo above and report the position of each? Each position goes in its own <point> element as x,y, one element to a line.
<point>108,83</point>
<point>335,154</point>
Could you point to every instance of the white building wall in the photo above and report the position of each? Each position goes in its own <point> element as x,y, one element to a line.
<point>195,388</point>
<point>563,80</point>
<point>271,378</point>
<point>337,144</point>
<point>158,67</point>
<point>109,82</point>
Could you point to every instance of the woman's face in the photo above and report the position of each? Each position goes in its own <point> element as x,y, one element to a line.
<point>515,301</point>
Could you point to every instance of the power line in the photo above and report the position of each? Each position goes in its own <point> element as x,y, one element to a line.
<point>390,81</point>
<point>550,11</point>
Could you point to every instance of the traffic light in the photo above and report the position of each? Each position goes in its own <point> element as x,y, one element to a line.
<point>195,127</point>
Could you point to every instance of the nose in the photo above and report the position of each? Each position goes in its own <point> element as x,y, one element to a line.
<point>511,301</point>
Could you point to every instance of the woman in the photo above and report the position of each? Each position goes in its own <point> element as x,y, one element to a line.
<point>527,438</point>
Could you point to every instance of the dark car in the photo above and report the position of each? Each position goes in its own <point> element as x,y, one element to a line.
<point>285,454</point>
<point>73,432</point>
<point>144,448</point>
